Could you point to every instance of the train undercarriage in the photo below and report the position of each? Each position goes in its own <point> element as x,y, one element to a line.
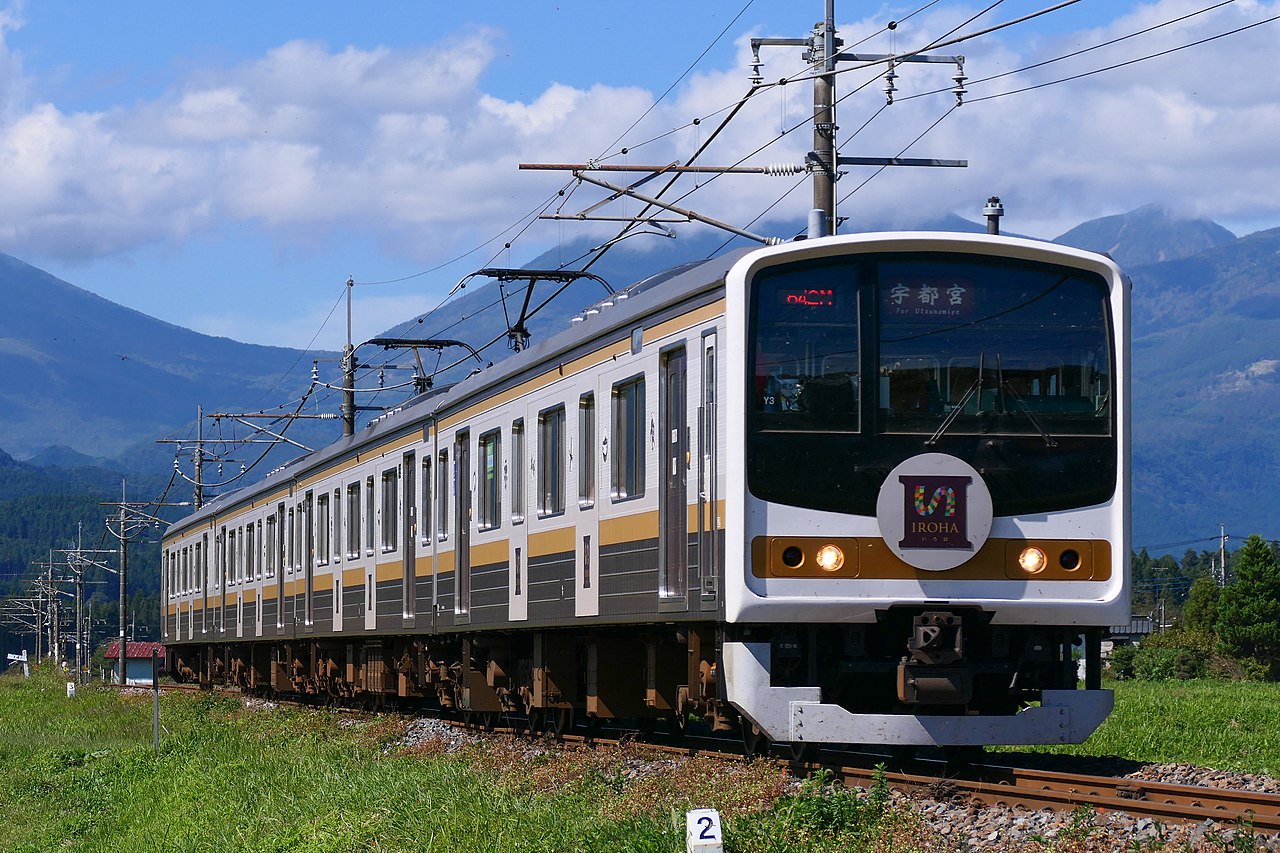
<point>916,677</point>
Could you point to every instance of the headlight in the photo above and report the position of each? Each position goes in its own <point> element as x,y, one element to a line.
<point>1032,561</point>
<point>829,558</point>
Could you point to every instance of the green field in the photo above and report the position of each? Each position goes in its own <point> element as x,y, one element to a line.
<point>1224,725</point>
<point>81,774</point>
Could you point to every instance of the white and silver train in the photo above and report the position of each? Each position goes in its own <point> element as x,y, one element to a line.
<point>859,489</point>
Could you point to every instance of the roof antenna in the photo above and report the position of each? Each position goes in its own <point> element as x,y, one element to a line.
<point>993,211</point>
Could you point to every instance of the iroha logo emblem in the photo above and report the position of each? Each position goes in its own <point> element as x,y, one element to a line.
<point>934,512</point>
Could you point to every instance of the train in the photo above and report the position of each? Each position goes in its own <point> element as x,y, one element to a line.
<point>859,489</point>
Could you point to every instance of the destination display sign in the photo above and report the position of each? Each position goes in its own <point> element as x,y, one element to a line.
<point>928,298</point>
<point>809,297</point>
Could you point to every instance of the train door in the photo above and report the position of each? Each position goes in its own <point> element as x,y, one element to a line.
<point>279,564</point>
<point>709,514</point>
<point>673,455</point>
<point>409,539</point>
<point>462,524</point>
<point>518,542</point>
<point>586,585</point>
<point>309,559</point>
<point>202,566</point>
<point>371,596</point>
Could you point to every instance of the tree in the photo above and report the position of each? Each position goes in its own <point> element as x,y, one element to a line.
<point>1248,620</point>
<point>1201,610</point>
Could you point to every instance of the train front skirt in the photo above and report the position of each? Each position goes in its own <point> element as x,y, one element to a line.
<point>799,715</point>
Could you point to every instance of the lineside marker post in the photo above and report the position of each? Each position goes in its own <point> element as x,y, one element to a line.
<point>702,831</point>
<point>155,703</point>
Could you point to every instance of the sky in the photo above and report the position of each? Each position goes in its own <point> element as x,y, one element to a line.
<point>227,166</point>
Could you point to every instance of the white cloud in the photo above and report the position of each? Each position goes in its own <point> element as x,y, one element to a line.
<point>406,146</point>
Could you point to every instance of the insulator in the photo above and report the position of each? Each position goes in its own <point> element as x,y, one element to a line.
<point>782,170</point>
<point>960,91</point>
<point>889,87</point>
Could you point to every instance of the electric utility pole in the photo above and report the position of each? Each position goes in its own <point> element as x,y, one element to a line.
<point>822,163</point>
<point>131,518</point>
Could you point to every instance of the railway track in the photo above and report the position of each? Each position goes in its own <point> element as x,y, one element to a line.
<point>996,785</point>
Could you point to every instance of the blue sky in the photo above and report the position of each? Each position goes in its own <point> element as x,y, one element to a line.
<point>226,166</point>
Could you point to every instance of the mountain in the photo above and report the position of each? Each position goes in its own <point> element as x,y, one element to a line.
<point>1206,364</point>
<point>91,383</point>
<point>1148,235</point>
<point>99,378</point>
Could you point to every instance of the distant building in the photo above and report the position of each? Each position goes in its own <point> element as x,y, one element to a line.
<point>137,662</point>
<point>1131,634</point>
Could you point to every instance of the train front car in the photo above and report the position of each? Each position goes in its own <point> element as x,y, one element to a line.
<point>929,435</point>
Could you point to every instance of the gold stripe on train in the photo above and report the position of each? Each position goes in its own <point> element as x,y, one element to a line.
<point>557,541</point>
<point>869,558</point>
<point>590,360</point>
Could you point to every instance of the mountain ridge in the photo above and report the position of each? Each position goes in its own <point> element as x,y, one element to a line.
<point>1206,384</point>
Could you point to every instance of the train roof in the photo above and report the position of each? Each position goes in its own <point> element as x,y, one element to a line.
<point>615,312</point>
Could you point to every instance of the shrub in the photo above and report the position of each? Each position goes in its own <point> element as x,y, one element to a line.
<point>1121,662</point>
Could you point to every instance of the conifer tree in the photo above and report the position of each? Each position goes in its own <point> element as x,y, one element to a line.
<point>1248,620</point>
<point>1201,610</point>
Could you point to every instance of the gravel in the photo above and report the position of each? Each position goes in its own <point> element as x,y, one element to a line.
<point>953,822</point>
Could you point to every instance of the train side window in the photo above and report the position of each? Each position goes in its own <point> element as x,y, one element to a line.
<point>353,521</point>
<point>424,511</point>
<point>442,496</point>
<point>322,532</point>
<point>517,471</point>
<point>270,545</point>
<point>335,532</point>
<point>490,486</point>
<point>628,466</point>
<point>587,451</point>
<point>551,461</point>
<point>390,508</point>
<point>249,564</point>
<point>369,516</point>
<point>232,558</point>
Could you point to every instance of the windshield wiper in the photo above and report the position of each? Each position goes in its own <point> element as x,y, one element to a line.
<point>1006,388</point>
<point>1003,388</point>
<point>975,386</point>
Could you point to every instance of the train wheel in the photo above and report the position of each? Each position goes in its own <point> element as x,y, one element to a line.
<point>803,753</point>
<point>900,755</point>
<point>958,757</point>
<point>754,740</point>
<point>489,721</point>
<point>561,721</point>
<point>594,725</point>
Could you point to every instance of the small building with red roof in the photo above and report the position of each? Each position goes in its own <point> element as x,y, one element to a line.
<point>137,661</point>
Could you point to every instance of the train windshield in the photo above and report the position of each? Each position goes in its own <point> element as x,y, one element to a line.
<point>874,358</point>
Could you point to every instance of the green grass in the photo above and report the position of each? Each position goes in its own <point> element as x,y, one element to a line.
<point>1224,725</point>
<point>81,775</point>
